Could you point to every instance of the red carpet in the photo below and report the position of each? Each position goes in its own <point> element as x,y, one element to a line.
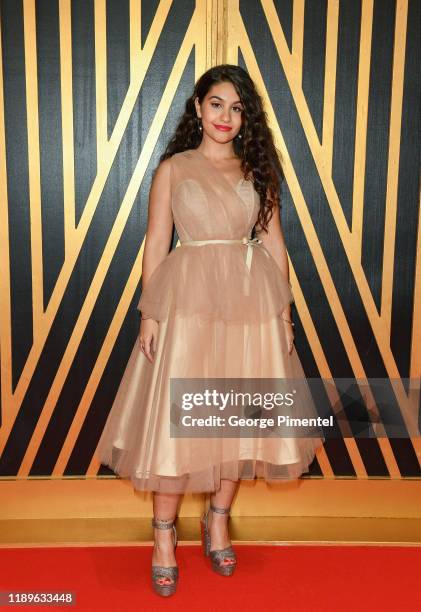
<point>287,577</point>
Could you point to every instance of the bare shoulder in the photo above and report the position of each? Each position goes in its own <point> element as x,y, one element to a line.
<point>167,166</point>
<point>163,171</point>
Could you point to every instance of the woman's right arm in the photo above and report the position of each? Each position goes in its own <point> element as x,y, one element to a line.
<point>157,245</point>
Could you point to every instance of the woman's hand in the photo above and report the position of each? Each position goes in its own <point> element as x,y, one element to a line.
<point>289,330</point>
<point>148,337</point>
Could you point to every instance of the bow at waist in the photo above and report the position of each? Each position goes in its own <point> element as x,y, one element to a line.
<point>249,242</point>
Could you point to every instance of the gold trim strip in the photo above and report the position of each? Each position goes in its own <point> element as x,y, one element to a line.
<point>330,81</point>
<point>34,164</point>
<point>100,19</point>
<point>297,35</point>
<point>65,19</point>
<point>5,295</point>
<point>135,37</point>
<point>393,162</point>
<point>264,531</point>
<point>364,62</point>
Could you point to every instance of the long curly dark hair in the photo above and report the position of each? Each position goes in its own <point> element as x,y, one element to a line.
<point>256,149</point>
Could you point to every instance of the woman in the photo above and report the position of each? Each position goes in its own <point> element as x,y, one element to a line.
<point>216,307</point>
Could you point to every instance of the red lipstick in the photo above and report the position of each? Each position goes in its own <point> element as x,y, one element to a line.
<point>223,128</point>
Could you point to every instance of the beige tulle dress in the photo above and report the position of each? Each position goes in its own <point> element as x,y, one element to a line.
<point>219,308</point>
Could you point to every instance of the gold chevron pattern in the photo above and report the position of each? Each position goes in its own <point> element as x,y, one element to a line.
<point>216,32</point>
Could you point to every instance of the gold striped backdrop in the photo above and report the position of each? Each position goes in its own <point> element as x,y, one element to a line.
<point>90,92</point>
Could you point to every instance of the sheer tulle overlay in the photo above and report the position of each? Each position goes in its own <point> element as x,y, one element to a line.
<point>217,319</point>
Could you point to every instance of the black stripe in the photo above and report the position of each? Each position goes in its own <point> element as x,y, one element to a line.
<point>118,58</point>
<point>403,324</point>
<point>406,457</point>
<point>314,45</point>
<point>346,103</point>
<point>84,101</point>
<point>50,142</point>
<point>284,10</point>
<point>148,11</point>
<point>339,458</point>
<point>378,122</point>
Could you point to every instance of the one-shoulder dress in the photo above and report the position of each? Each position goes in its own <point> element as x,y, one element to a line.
<point>218,307</point>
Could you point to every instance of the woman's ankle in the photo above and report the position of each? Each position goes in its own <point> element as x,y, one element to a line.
<point>164,537</point>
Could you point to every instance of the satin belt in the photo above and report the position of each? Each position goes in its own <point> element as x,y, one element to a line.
<point>250,242</point>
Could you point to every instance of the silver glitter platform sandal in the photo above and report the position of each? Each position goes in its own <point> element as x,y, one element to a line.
<point>217,556</point>
<point>159,571</point>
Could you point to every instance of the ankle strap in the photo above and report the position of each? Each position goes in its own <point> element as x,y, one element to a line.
<point>162,524</point>
<point>220,510</point>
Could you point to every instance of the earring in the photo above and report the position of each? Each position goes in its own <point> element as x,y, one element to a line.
<point>239,136</point>
<point>199,125</point>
